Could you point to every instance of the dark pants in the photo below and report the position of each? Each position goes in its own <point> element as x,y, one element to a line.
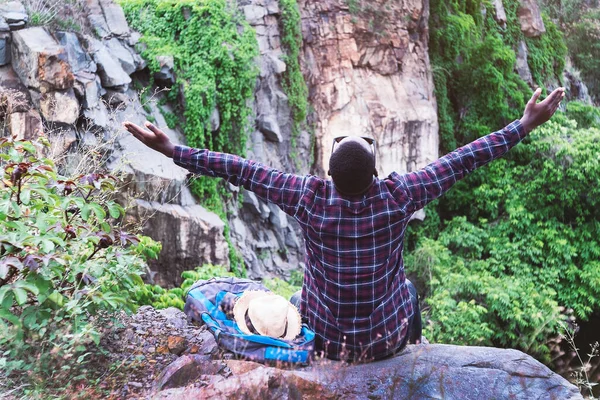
<point>415,326</point>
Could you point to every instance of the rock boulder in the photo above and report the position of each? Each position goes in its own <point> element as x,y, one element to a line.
<point>419,372</point>
<point>40,61</point>
<point>530,18</point>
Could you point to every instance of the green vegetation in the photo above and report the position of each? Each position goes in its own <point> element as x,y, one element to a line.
<point>284,288</point>
<point>473,59</point>
<point>580,21</point>
<point>65,265</point>
<point>516,240</point>
<point>585,115</point>
<point>159,297</point>
<point>214,50</point>
<point>503,254</point>
<point>293,81</point>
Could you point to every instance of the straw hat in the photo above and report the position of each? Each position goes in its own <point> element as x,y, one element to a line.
<point>269,314</point>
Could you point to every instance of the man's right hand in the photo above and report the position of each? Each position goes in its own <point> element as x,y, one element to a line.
<point>151,137</point>
<point>536,114</point>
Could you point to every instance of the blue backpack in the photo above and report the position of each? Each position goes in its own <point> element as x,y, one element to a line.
<point>203,304</point>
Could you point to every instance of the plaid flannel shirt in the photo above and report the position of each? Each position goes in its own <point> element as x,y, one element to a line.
<point>354,293</point>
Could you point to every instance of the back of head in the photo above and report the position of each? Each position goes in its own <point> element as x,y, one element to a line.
<point>352,167</point>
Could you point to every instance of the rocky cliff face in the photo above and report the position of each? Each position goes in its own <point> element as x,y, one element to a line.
<point>368,73</point>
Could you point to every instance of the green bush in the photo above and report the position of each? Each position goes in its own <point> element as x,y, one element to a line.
<point>517,240</point>
<point>159,297</point>
<point>281,287</point>
<point>64,263</point>
<point>586,116</point>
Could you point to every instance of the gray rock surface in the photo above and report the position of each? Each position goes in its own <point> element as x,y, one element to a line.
<point>40,61</point>
<point>530,18</point>
<point>112,74</point>
<point>576,88</point>
<point>419,372</point>
<point>14,15</point>
<point>96,18</point>
<point>79,59</point>
<point>269,127</point>
<point>115,18</point>
<point>3,25</point>
<point>166,75</point>
<point>148,336</point>
<point>60,107</point>
<point>500,14</point>
<point>122,54</point>
<point>25,125</point>
<point>5,40</point>
<point>521,64</point>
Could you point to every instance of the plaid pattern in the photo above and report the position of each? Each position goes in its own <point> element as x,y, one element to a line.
<point>354,293</point>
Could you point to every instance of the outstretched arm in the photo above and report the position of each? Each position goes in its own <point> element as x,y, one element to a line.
<point>434,180</point>
<point>284,190</point>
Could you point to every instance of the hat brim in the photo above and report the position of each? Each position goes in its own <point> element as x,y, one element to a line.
<point>241,306</point>
<point>294,320</point>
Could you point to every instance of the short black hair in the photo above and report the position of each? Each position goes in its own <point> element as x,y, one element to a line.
<point>352,167</point>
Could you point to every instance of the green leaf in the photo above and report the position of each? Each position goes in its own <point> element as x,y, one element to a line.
<point>4,290</point>
<point>25,196</point>
<point>57,298</point>
<point>47,246</point>
<point>85,212</point>
<point>20,295</point>
<point>16,209</point>
<point>29,147</point>
<point>98,210</point>
<point>43,193</point>
<point>10,317</point>
<point>42,285</point>
<point>105,227</point>
<point>29,318</point>
<point>28,286</point>
<point>115,210</point>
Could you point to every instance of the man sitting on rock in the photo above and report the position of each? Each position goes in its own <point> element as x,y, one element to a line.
<point>355,294</point>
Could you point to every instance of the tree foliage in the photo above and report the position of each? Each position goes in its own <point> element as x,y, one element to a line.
<point>518,239</point>
<point>64,261</point>
<point>502,255</point>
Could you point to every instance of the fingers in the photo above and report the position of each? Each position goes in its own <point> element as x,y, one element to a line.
<point>557,94</point>
<point>556,97</point>
<point>137,131</point>
<point>154,129</point>
<point>535,96</point>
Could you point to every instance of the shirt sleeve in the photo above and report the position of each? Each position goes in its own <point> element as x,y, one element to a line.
<point>282,189</point>
<point>429,183</point>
